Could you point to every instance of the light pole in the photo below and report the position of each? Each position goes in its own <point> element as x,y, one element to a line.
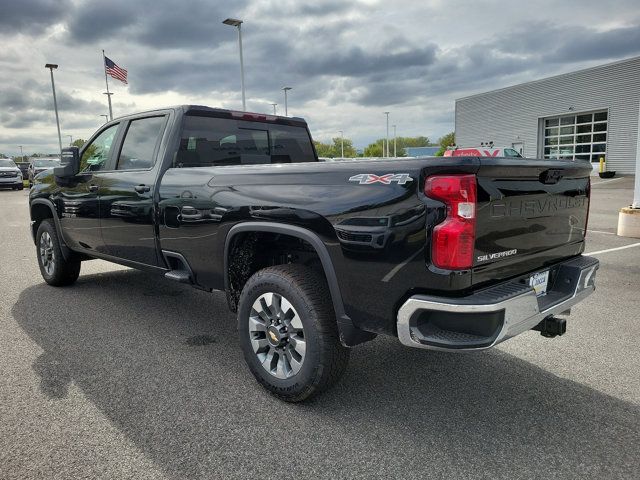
<point>341,143</point>
<point>70,139</point>
<point>387,149</point>
<point>51,67</point>
<point>238,23</point>
<point>274,108</point>
<point>106,118</point>
<point>394,141</point>
<point>286,109</point>
<point>21,154</point>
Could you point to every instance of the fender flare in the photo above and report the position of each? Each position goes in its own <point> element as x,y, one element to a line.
<point>350,335</point>
<point>66,251</point>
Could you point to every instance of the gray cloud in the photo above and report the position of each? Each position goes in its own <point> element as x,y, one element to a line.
<point>156,24</point>
<point>340,57</point>
<point>31,15</point>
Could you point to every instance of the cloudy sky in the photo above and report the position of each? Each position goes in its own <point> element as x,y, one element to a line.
<point>347,61</point>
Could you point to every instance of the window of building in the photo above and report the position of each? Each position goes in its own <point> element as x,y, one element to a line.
<point>576,137</point>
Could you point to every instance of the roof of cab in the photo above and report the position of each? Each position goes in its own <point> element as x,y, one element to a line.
<point>203,110</point>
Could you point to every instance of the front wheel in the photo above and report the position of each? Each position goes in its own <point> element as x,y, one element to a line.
<point>54,268</point>
<point>288,332</point>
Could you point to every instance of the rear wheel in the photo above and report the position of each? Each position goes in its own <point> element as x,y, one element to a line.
<point>288,332</point>
<point>54,268</point>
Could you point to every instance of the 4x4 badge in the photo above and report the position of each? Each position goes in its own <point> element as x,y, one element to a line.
<point>369,178</point>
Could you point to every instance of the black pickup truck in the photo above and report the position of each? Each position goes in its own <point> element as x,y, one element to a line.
<point>454,253</point>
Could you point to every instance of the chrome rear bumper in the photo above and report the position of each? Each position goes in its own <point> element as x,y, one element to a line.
<point>493,315</point>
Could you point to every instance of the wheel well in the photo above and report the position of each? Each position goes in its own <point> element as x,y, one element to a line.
<point>39,212</point>
<point>249,252</point>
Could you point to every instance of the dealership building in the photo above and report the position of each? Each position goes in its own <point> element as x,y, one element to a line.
<point>587,115</point>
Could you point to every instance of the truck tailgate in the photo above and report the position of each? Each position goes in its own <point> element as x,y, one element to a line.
<point>530,213</point>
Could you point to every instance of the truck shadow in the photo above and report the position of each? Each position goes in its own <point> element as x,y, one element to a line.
<point>162,362</point>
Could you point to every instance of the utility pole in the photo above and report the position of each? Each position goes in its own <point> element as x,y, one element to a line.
<point>394,141</point>
<point>341,143</point>
<point>51,67</point>
<point>286,109</point>
<point>234,22</point>
<point>274,108</point>
<point>21,154</point>
<point>387,149</point>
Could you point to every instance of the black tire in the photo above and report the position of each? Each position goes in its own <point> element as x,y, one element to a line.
<point>21,187</point>
<point>325,358</point>
<point>54,268</point>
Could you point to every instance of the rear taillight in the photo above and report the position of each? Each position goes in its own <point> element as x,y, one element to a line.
<point>453,240</point>
<point>586,222</point>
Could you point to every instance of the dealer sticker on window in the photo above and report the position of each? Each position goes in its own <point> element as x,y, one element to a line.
<point>539,282</point>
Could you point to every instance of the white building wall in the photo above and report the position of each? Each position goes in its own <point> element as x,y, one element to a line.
<point>513,114</point>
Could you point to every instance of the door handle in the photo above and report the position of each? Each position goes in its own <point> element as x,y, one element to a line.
<point>93,188</point>
<point>142,188</point>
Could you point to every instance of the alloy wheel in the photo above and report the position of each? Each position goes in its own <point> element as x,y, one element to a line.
<point>277,335</point>
<point>47,255</point>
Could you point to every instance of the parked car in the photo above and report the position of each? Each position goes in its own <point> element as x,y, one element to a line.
<point>24,168</point>
<point>10,175</point>
<point>38,165</point>
<point>239,202</point>
<point>489,151</point>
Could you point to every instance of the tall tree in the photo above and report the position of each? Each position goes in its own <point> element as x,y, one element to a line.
<point>444,142</point>
<point>78,142</point>
<point>334,149</point>
<point>376,149</point>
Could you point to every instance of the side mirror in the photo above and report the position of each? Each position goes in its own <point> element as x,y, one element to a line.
<point>70,163</point>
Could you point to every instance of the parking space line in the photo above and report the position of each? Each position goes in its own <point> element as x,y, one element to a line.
<point>607,181</point>
<point>614,249</point>
<point>600,231</point>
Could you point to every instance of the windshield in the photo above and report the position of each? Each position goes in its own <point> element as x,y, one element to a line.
<point>46,163</point>
<point>7,163</point>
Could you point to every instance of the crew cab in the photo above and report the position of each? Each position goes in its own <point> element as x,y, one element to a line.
<point>453,253</point>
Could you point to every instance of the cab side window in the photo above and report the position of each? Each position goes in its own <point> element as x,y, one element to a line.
<point>95,155</point>
<point>140,142</point>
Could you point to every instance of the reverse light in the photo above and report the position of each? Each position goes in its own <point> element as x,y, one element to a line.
<point>453,240</point>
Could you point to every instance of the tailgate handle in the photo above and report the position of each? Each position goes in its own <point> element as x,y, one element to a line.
<point>551,176</point>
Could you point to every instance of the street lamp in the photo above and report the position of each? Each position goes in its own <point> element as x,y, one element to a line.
<point>70,139</point>
<point>106,118</point>
<point>394,141</point>
<point>341,143</point>
<point>238,23</point>
<point>286,110</point>
<point>387,150</point>
<point>274,108</point>
<point>51,67</point>
<point>21,154</point>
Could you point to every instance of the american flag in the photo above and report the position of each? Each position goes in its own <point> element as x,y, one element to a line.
<point>114,70</point>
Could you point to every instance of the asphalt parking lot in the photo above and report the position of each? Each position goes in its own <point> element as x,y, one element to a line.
<point>129,376</point>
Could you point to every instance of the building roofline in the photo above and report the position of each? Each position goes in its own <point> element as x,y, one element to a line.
<point>596,67</point>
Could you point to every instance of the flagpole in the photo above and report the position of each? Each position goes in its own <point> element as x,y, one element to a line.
<point>106,81</point>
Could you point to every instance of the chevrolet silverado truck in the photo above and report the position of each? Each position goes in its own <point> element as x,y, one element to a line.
<point>455,253</point>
